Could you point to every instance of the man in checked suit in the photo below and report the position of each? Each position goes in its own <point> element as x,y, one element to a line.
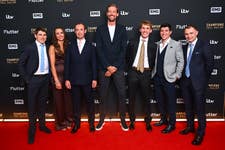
<point>198,67</point>
<point>34,69</point>
<point>168,68</point>
<point>139,71</point>
<point>81,75</point>
<point>111,43</point>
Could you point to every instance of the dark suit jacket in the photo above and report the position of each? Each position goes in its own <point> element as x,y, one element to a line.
<point>80,69</point>
<point>201,64</point>
<point>111,53</point>
<point>29,61</point>
<point>132,51</point>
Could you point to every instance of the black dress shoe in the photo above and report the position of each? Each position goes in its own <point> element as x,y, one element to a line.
<point>161,122</point>
<point>45,129</point>
<point>75,129</point>
<point>197,140</point>
<point>168,129</point>
<point>132,126</point>
<point>148,127</point>
<point>187,130</point>
<point>92,128</point>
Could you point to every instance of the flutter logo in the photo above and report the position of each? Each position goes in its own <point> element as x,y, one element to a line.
<point>10,31</point>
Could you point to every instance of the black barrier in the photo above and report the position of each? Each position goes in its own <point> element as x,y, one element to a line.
<point>20,18</point>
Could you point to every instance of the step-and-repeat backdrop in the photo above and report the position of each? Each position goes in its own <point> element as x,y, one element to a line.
<point>18,19</point>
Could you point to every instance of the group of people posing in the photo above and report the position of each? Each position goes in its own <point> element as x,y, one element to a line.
<point>77,67</point>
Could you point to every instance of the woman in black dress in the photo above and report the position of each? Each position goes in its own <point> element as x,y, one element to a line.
<point>61,95</point>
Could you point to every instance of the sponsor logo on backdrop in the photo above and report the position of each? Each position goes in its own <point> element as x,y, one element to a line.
<point>124,13</point>
<point>180,27</point>
<point>12,60</point>
<point>129,28</point>
<point>217,57</point>
<point>180,100</point>
<point>153,101</point>
<point>214,25</point>
<point>154,11</point>
<point>12,46</point>
<point>96,13</point>
<point>155,27</point>
<point>210,114</point>
<point>35,1</point>
<point>65,15</point>
<point>214,72</point>
<point>96,101</point>
<point>15,75</point>
<point>210,101</point>
<point>214,86</point>
<point>184,11</point>
<point>18,101</point>
<point>180,114</point>
<point>20,115</point>
<point>69,30</point>
<point>155,115</point>
<point>7,1</point>
<point>16,88</point>
<point>213,42</point>
<point>10,31</point>
<point>37,15</point>
<point>65,1</point>
<point>214,10</point>
<point>9,17</point>
<point>91,29</point>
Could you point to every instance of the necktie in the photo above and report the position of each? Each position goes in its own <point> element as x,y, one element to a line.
<point>187,69</point>
<point>140,65</point>
<point>42,55</point>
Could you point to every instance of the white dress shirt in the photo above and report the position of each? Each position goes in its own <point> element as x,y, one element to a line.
<point>193,46</point>
<point>80,44</point>
<point>46,65</point>
<point>111,31</point>
<point>162,46</point>
<point>146,64</point>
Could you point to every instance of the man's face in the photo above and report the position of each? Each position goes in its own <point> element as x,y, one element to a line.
<point>41,37</point>
<point>190,34</point>
<point>145,31</point>
<point>165,33</point>
<point>80,31</point>
<point>112,14</point>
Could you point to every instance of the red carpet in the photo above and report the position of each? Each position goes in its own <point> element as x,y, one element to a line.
<point>13,136</point>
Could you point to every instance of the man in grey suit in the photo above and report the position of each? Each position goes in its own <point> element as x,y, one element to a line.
<point>168,68</point>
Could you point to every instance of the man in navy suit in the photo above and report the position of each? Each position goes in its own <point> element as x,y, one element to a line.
<point>81,75</point>
<point>111,42</point>
<point>139,71</point>
<point>198,66</point>
<point>34,69</point>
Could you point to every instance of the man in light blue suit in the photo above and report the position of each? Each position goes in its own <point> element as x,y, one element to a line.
<point>168,68</point>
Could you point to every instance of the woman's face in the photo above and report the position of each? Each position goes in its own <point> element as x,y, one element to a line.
<point>59,34</point>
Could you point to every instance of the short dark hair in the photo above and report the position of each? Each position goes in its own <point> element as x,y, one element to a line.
<point>112,5</point>
<point>191,26</point>
<point>145,22</point>
<point>40,29</point>
<point>81,24</point>
<point>165,25</point>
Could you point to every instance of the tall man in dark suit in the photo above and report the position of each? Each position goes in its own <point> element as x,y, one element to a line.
<point>168,68</point>
<point>198,67</point>
<point>111,42</point>
<point>81,75</point>
<point>34,69</point>
<point>140,58</point>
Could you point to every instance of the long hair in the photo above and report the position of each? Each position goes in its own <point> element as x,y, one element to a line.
<point>56,44</point>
